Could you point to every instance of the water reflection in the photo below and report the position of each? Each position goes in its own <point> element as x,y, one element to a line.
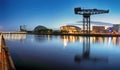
<point>14,36</point>
<point>40,38</point>
<point>78,52</point>
<point>98,40</point>
<point>116,40</point>
<point>86,53</point>
<point>67,39</point>
<point>93,40</point>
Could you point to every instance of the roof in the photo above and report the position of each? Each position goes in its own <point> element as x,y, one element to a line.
<point>39,27</point>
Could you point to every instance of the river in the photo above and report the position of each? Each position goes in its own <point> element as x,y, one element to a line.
<point>55,52</point>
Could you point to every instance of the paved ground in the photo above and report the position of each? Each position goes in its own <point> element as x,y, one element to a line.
<point>3,60</point>
<point>6,62</point>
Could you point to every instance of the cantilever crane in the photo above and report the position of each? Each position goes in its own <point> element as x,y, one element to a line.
<point>86,13</point>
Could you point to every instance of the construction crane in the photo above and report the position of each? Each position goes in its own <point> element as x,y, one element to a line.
<point>86,13</point>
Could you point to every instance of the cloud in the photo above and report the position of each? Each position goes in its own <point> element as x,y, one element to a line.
<point>97,23</point>
<point>73,24</point>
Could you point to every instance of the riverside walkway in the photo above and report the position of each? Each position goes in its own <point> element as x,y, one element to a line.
<point>6,62</point>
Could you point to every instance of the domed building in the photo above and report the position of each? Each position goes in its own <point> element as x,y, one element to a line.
<point>39,27</point>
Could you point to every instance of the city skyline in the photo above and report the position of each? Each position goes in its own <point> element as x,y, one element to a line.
<point>52,13</point>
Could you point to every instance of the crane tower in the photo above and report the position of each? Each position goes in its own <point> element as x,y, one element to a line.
<point>86,13</point>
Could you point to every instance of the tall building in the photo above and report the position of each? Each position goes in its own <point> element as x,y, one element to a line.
<point>23,28</point>
<point>70,29</point>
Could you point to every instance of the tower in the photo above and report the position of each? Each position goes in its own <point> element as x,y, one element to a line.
<point>86,13</point>
<point>23,28</point>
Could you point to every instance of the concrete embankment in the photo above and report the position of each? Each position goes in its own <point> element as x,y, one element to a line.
<point>6,62</point>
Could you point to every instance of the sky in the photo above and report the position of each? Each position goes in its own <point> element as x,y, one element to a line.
<point>52,13</point>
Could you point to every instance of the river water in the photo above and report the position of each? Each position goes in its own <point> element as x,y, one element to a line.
<point>55,52</point>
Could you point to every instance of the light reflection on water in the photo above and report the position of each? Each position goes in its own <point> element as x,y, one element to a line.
<point>14,36</point>
<point>51,52</point>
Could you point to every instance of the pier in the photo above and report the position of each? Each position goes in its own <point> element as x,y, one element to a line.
<point>6,62</point>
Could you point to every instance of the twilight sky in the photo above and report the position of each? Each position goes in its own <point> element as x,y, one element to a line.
<point>52,13</point>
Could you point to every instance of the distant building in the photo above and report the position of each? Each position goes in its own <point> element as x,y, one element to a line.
<point>23,28</point>
<point>39,27</point>
<point>70,29</point>
<point>113,30</point>
<point>109,29</point>
<point>116,27</point>
<point>98,29</point>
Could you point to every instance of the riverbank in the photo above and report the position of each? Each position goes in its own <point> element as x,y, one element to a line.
<point>14,32</point>
<point>104,35</point>
<point>6,62</point>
